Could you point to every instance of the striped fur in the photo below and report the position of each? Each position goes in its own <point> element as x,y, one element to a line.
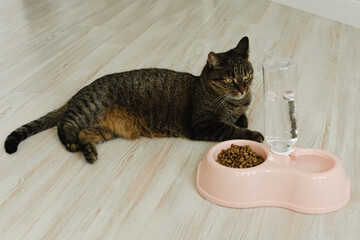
<point>155,103</point>
<point>48,121</point>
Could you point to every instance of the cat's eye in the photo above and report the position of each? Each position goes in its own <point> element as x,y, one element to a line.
<point>229,80</point>
<point>247,77</point>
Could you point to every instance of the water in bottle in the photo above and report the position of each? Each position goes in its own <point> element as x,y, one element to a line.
<point>280,121</point>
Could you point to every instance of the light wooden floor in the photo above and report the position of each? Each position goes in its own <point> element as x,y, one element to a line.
<point>145,189</point>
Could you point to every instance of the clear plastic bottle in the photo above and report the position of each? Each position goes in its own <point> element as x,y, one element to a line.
<point>279,78</point>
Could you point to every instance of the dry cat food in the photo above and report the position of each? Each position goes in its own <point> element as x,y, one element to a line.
<point>239,157</point>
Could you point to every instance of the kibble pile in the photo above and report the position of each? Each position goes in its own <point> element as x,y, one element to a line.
<point>239,157</point>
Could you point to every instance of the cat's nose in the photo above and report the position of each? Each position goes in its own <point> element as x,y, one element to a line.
<point>242,89</point>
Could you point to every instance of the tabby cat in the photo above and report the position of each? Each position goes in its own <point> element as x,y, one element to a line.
<point>155,103</point>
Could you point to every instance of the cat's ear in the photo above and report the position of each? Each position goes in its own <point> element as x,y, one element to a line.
<point>214,60</point>
<point>243,47</point>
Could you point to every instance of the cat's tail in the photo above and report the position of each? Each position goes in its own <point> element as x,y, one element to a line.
<point>45,122</point>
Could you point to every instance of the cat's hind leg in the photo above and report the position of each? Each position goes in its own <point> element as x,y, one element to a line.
<point>77,118</point>
<point>92,136</point>
<point>68,135</point>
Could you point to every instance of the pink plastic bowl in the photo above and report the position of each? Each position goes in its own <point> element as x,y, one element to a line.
<point>307,181</point>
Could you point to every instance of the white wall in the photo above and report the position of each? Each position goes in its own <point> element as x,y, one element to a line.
<point>344,11</point>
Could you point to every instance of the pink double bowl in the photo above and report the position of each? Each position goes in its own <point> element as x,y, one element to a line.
<point>308,180</point>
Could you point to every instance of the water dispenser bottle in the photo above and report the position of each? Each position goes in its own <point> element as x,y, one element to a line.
<point>279,78</point>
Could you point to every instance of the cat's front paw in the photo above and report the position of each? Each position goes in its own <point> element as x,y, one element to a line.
<point>257,136</point>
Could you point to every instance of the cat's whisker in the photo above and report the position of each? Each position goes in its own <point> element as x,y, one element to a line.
<point>218,98</point>
<point>223,100</point>
<point>217,101</point>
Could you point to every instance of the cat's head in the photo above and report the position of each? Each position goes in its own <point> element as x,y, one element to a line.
<point>229,73</point>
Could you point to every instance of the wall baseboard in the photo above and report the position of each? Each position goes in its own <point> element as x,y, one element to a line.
<point>344,11</point>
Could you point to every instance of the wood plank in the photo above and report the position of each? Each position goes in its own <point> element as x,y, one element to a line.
<point>145,189</point>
